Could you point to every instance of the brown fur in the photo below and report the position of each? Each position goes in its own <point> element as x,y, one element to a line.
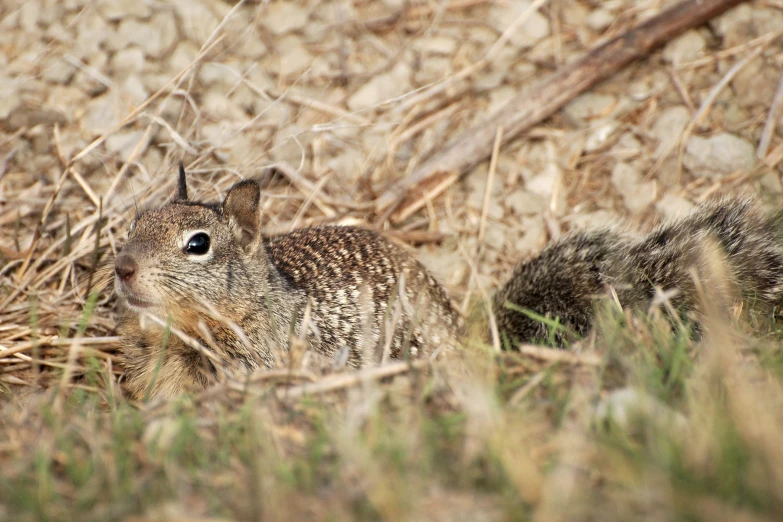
<point>243,299</point>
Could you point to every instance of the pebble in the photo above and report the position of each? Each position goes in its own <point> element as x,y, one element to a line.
<point>668,128</point>
<point>283,17</point>
<point>685,48</point>
<point>128,61</point>
<point>718,155</point>
<point>293,56</point>
<point>100,115</point>
<point>521,202</point>
<point>589,106</point>
<point>534,235</point>
<point>382,88</point>
<point>198,21</point>
<point>124,142</point>
<point>115,10</point>
<point>673,207</point>
<point>637,194</point>
<point>599,20</point>
<point>436,45</point>
<point>503,14</point>
<point>57,70</point>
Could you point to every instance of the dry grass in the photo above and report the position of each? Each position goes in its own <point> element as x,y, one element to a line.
<point>480,436</point>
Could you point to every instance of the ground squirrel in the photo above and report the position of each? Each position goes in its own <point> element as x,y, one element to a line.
<point>565,278</point>
<point>241,297</point>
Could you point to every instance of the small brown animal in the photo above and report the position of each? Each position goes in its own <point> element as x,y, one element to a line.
<point>733,236</point>
<point>242,298</point>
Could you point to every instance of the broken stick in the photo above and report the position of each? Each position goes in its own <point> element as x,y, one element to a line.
<point>541,99</point>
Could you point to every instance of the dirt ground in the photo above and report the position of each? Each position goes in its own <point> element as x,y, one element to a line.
<point>331,102</point>
<point>345,98</point>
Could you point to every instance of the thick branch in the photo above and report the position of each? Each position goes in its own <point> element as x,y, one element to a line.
<point>541,99</point>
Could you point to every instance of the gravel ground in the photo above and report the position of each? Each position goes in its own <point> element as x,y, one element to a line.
<point>346,97</point>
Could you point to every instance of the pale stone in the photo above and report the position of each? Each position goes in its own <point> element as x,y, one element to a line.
<point>124,142</point>
<point>719,155</point>
<point>128,61</point>
<point>589,107</point>
<point>600,19</point>
<point>57,70</point>
<point>503,15</point>
<point>685,48</point>
<point>283,16</point>
<point>114,10</point>
<point>673,207</point>
<point>382,88</point>
<point>522,202</point>
<point>668,128</point>
<point>101,115</point>
<point>294,58</point>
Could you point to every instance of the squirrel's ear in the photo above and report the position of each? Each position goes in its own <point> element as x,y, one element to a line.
<point>182,184</point>
<point>242,209</point>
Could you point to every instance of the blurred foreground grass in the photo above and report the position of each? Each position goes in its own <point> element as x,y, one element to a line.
<point>638,422</point>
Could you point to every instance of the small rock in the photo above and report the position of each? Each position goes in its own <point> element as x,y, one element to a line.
<point>546,181</point>
<point>382,88</point>
<point>57,33</point>
<point>133,32</point>
<point>294,58</point>
<point>534,235</point>
<point>198,22</point>
<point>496,234</point>
<point>437,45</point>
<point>489,80</point>
<point>536,27</point>
<point>673,207</point>
<point>128,61</point>
<point>28,15</point>
<point>283,17</point>
<point>498,98</point>
<point>164,23</point>
<point>627,147</point>
<point>134,87</point>
<point>588,107</point>
<point>685,48</point>
<point>668,128</point>
<point>100,115</point>
<point>114,10</point>
<point>183,55</point>
<point>771,182</point>
<point>124,142</point>
<point>600,134</point>
<point>600,19</point>
<point>718,155</point>
<point>218,73</point>
<point>637,195</point>
<point>522,202</point>
<point>57,70</point>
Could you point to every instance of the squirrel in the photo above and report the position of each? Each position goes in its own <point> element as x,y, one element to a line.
<point>241,298</point>
<point>730,244</point>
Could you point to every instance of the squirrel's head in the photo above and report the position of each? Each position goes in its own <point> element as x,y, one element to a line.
<point>185,253</point>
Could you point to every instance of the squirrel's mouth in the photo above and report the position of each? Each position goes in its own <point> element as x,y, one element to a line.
<point>137,302</point>
<point>133,300</point>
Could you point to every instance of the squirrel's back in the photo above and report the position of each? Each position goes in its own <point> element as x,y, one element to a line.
<point>352,276</point>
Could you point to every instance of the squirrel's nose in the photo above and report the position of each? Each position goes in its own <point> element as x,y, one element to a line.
<point>125,267</point>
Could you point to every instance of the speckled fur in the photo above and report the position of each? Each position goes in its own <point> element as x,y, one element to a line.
<point>350,276</point>
<point>566,278</point>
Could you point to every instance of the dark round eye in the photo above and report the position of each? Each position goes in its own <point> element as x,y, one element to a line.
<point>198,244</point>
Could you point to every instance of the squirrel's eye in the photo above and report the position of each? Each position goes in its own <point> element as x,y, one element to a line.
<point>198,244</point>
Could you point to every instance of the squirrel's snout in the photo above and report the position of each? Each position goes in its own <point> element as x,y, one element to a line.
<point>125,267</point>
